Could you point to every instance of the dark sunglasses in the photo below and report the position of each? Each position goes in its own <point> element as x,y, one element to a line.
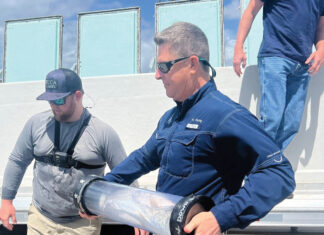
<point>165,67</point>
<point>58,102</point>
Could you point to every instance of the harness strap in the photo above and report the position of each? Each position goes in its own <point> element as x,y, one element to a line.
<point>76,137</point>
<point>70,150</point>
<point>57,135</point>
<point>62,159</point>
<point>58,159</point>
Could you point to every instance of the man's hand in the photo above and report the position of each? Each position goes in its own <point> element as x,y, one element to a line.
<point>86,216</point>
<point>238,59</point>
<point>141,232</point>
<point>7,211</point>
<point>315,60</point>
<point>203,223</point>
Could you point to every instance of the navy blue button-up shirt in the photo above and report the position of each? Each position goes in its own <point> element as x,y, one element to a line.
<point>208,145</point>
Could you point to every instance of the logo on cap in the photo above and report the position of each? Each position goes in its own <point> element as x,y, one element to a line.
<point>51,84</point>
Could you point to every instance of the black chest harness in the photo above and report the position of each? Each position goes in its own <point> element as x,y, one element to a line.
<point>64,159</point>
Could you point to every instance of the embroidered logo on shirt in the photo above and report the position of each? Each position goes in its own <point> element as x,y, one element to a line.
<point>196,120</point>
<point>195,124</point>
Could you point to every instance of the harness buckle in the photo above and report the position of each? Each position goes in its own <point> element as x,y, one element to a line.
<point>61,159</point>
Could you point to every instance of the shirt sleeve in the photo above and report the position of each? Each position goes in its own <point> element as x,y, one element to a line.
<point>138,163</point>
<point>114,151</point>
<point>19,159</point>
<point>269,180</point>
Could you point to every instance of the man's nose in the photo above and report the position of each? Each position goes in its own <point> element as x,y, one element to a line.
<point>158,74</point>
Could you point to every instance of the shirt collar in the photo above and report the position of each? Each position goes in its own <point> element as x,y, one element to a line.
<point>183,107</point>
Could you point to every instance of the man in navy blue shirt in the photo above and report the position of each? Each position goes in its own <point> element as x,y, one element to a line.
<point>207,144</point>
<point>285,60</point>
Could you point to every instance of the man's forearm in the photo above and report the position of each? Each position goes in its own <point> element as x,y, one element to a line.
<point>320,45</point>
<point>12,179</point>
<point>320,33</point>
<point>246,21</point>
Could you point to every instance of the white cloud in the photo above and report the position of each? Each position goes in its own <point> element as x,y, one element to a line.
<point>147,46</point>
<point>232,10</point>
<point>232,16</point>
<point>147,56</point>
<point>69,52</point>
<point>20,9</point>
<point>229,46</point>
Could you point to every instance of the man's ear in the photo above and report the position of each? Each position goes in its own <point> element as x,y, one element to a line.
<point>78,94</point>
<point>194,64</point>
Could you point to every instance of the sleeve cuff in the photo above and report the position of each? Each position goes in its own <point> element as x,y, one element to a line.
<point>8,194</point>
<point>109,177</point>
<point>225,216</point>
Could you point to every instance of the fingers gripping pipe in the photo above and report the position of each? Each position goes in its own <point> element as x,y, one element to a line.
<point>159,213</point>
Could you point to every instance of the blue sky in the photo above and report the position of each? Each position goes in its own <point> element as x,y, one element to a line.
<point>69,9</point>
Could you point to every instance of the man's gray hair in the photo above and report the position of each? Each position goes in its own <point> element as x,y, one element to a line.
<point>185,39</point>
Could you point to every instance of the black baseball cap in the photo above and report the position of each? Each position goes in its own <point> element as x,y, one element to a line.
<point>60,83</point>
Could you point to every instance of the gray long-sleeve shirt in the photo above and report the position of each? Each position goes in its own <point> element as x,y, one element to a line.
<point>53,186</point>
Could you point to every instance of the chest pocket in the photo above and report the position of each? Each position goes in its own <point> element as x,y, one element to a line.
<point>178,154</point>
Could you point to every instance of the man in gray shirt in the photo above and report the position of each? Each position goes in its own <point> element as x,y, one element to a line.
<point>67,143</point>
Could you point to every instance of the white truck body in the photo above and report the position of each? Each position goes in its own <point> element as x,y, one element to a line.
<point>133,104</point>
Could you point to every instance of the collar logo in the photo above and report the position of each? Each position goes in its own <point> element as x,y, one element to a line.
<point>51,84</point>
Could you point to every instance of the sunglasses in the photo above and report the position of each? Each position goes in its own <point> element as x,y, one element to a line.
<point>165,67</point>
<point>58,102</point>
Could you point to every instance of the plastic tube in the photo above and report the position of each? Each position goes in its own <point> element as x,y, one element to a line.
<point>149,210</point>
